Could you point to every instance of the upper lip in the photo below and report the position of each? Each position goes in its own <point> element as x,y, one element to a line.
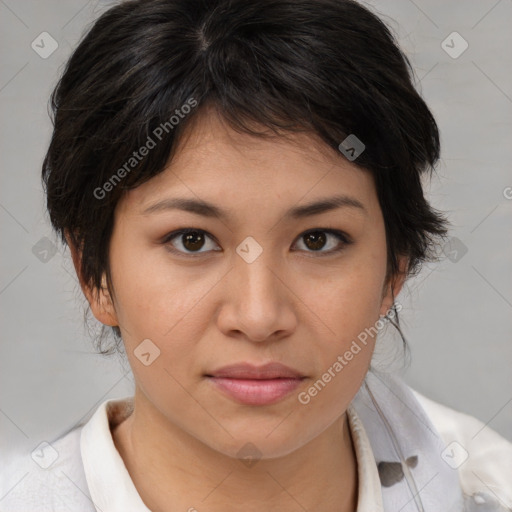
<point>249,371</point>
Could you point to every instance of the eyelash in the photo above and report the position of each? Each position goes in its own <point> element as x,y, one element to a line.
<point>342,237</point>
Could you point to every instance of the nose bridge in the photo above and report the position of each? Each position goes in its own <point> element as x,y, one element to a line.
<point>253,272</point>
<point>257,298</point>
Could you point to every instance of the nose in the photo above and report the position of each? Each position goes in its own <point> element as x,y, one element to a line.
<point>257,302</point>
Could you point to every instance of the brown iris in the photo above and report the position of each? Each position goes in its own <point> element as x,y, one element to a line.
<point>315,240</point>
<point>193,241</point>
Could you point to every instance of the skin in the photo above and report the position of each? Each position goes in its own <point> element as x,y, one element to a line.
<point>291,305</point>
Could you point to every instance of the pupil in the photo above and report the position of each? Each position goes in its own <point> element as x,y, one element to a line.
<point>193,241</point>
<point>318,239</point>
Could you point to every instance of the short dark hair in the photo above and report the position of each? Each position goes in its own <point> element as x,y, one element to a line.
<point>326,67</point>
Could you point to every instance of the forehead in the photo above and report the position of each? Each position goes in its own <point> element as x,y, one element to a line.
<point>215,163</point>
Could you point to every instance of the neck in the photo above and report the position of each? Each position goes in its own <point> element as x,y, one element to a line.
<point>173,470</point>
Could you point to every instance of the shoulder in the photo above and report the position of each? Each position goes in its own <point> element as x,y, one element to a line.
<point>482,457</point>
<point>47,479</point>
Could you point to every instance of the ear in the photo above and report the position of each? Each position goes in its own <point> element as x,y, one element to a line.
<point>99,300</point>
<point>393,285</point>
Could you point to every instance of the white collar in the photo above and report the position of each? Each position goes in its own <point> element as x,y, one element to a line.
<point>370,491</point>
<point>112,489</point>
<point>110,485</point>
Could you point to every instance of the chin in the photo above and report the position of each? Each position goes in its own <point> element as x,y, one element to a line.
<point>252,444</point>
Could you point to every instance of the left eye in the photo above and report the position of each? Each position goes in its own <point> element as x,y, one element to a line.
<point>317,239</point>
<point>192,240</point>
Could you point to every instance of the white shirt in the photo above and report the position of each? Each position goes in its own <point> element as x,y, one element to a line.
<point>89,474</point>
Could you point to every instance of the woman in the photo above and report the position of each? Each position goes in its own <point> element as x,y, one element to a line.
<point>239,185</point>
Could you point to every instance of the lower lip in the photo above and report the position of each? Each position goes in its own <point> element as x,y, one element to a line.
<point>256,392</point>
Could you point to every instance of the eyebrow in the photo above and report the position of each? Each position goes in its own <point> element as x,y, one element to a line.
<point>207,209</point>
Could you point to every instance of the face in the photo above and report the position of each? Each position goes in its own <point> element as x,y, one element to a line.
<point>265,280</point>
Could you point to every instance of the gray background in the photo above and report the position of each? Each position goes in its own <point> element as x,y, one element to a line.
<point>456,314</point>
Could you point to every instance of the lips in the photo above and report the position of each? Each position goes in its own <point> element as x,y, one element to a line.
<point>249,371</point>
<point>256,385</point>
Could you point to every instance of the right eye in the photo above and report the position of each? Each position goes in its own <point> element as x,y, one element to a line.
<point>187,242</point>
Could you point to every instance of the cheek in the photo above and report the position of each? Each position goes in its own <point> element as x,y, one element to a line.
<point>152,294</point>
<point>350,299</point>
<point>348,308</point>
<point>349,314</point>
<point>168,305</point>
